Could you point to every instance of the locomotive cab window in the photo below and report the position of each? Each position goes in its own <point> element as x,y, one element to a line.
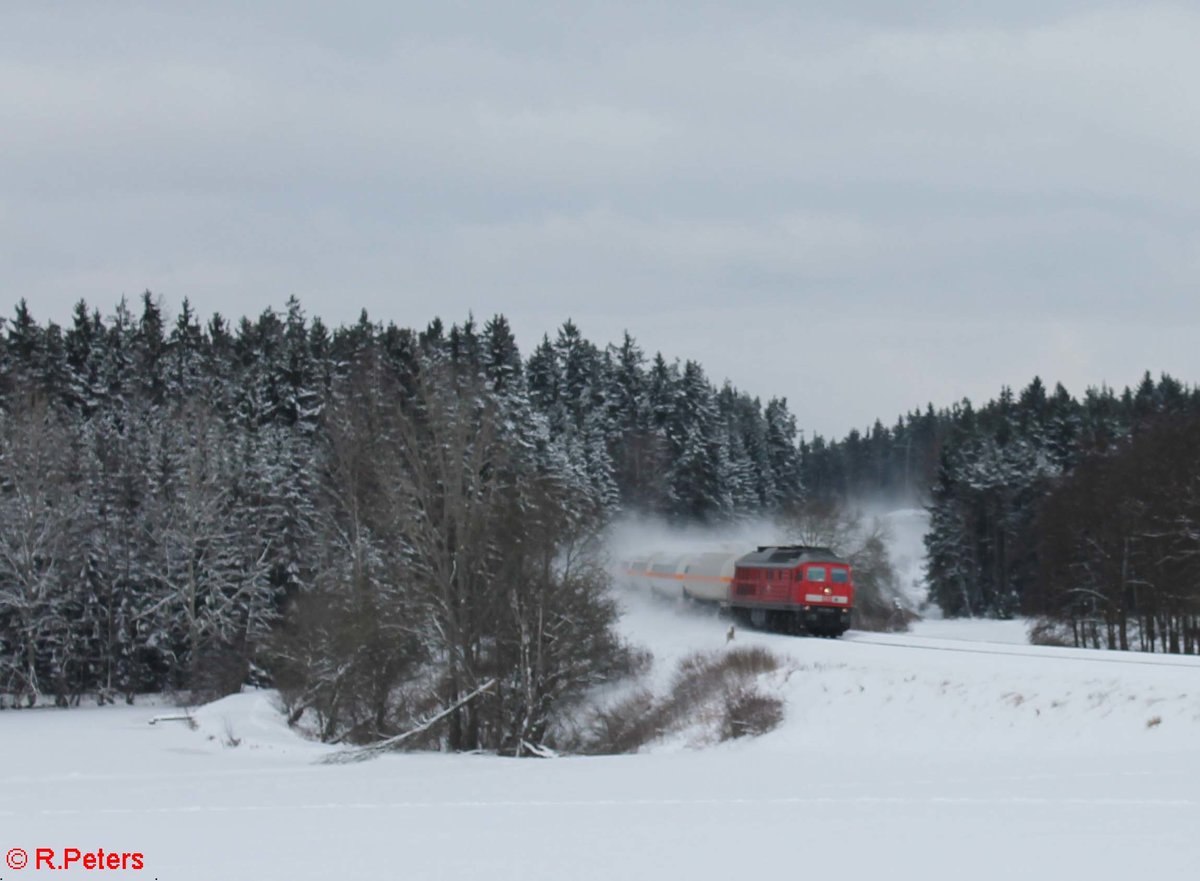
<point>839,576</point>
<point>815,573</point>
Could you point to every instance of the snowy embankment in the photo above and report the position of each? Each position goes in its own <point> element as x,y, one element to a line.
<point>938,687</point>
<point>921,755</point>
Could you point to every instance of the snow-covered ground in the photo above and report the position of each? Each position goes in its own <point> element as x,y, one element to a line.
<point>927,755</point>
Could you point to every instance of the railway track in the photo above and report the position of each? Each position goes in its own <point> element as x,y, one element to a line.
<point>1091,656</point>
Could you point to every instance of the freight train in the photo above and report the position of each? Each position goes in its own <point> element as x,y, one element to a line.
<point>791,588</point>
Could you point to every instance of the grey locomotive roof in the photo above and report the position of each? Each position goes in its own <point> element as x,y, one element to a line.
<point>786,556</point>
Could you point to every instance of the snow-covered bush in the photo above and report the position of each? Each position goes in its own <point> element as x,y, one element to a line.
<point>748,712</point>
<point>712,696</point>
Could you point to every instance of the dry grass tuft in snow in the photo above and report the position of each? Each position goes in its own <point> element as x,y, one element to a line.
<point>1043,631</point>
<point>713,696</point>
<point>748,713</point>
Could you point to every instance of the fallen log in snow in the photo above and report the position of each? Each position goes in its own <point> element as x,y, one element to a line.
<point>361,753</point>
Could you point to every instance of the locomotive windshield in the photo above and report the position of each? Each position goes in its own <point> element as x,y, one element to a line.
<point>840,576</point>
<point>815,573</point>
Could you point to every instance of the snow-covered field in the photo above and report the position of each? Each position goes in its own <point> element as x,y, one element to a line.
<point>926,755</point>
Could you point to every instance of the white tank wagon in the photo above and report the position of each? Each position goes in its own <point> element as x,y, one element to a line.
<point>632,572</point>
<point>664,574</point>
<point>707,576</point>
<point>703,576</point>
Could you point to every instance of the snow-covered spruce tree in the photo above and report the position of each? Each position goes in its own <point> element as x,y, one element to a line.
<point>995,471</point>
<point>738,477</point>
<point>639,447</point>
<point>569,386</point>
<point>783,454</point>
<point>695,432</point>
<point>84,349</point>
<point>500,355</point>
<point>951,567</point>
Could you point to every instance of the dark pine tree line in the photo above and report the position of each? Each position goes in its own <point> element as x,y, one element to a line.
<point>1073,509</point>
<point>1119,543</point>
<point>893,465</point>
<point>190,504</point>
<point>1082,512</point>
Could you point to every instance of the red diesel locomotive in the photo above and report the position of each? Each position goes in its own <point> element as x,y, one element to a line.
<point>792,588</point>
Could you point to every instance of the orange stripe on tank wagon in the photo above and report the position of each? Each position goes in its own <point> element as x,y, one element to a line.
<point>721,579</point>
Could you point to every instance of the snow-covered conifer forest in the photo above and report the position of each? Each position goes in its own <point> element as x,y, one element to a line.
<point>196,504</point>
<point>1084,512</point>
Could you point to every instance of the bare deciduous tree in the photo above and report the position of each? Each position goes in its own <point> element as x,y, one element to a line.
<point>36,509</point>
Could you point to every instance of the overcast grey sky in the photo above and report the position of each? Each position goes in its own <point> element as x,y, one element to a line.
<point>861,209</point>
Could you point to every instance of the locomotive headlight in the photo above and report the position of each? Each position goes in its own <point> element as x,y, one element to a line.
<point>828,591</point>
